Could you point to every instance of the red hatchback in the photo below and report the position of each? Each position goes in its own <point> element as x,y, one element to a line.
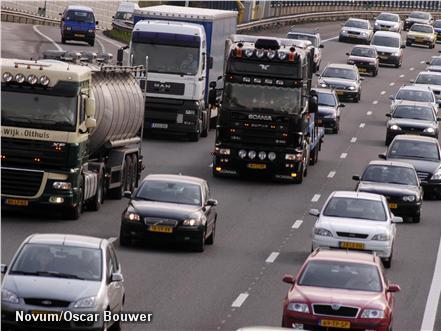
<point>339,290</point>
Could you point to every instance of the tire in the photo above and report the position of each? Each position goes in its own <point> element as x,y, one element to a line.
<point>299,179</point>
<point>313,160</point>
<point>358,97</point>
<point>205,127</point>
<point>92,42</point>
<point>340,39</point>
<point>63,41</point>
<point>200,245</point>
<point>74,213</point>
<point>210,239</point>
<point>387,263</point>
<point>124,241</point>
<point>375,73</point>
<point>117,192</point>
<point>96,202</point>
<point>337,126</point>
<point>408,43</point>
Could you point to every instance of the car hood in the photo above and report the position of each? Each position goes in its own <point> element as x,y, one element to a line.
<point>352,29</point>
<point>51,287</point>
<point>326,110</point>
<point>338,81</point>
<point>361,58</point>
<point>343,224</point>
<point>417,20</point>
<point>362,299</point>
<point>420,34</point>
<point>385,49</point>
<point>406,122</point>
<point>387,188</point>
<point>164,210</point>
<point>388,23</point>
<point>420,165</point>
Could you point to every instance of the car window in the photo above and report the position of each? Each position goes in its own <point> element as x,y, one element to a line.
<point>421,28</point>
<point>326,99</point>
<point>363,51</point>
<point>437,24</point>
<point>428,79</point>
<point>423,16</point>
<point>415,95</point>
<point>385,41</point>
<point>168,191</point>
<point>355,208</point>
<point>340,73</point>
<point>357,24</point>
<point>59,261</point>
<point>390,174</point>
<point>414,150</point>
<point>387,17</point>
<point>299,36</point>
<point>414,112</point>
<point>341,275</point>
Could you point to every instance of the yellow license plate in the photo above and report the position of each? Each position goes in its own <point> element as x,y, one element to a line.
<point>393,205</point>
<point>79,35</point>
<point>17,202</point>
<point>351,245</point>
<point>339,92</point>
<point>383,57</point>
<point>256,166</point>
<point>161,228</point>
<point>335,324</point>
<point>418,40</point>
<point>362,69</point>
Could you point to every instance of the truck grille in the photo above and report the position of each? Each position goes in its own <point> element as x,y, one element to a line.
<point>20,182</point>
<point>329,310</point>
<point>352,235</point>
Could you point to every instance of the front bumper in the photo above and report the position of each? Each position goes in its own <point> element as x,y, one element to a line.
<point>419,41</point>
<point>78,35</point>
<point>328,123</point>
<point>353,37</point>
<point>381,248</point>
<point>391,28</point>
<point>346,94</point>
<point>365,68</point>
<point>432,188</point>
<point>389,58</point>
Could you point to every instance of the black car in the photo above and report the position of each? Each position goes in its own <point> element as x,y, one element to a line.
<point>417,17</point>
<point>170,207</point>
<point>328,114</point>
<point>398,182</point>
<point>412,118</point>
<point>365,57</point>
<point>424,153</point>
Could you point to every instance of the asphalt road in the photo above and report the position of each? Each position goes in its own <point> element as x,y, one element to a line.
<point>191,291</point>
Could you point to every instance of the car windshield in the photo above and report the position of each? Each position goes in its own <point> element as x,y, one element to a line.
<point>415,95</point>
<point>340,73</point>
<point>421,28</point>
<point>428,79</point>
<point>170,192</point>
<point>326,99</point>
<point>409,149</point>
<point>363,52</point>
<point>414,112</point>
<point>262,98</point>
<point>436,62</point>
<point>387,17</point>
<point>419,15</point>
<point>437,24</point>
<point>300,36</point>
<point>80,16</point>
<point>341,275</point>
<point>385,41</point>
<point>356,24</point>
<point>59,261</point>
<point>356,208</point>
<point>390,174</point>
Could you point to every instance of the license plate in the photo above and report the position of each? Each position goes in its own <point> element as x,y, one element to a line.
<point>256,166</point>
<point>79,35</point>
<point>339,92</point>
<point>319,121</point>
<point>383,57</point>
<point>393,206</point>
<point>335,324</point>
<point>161,228</point>
<point>362,69</point>
<point>159,126</point>
<point>17,202</point>
<point>351,245</point>
<point>419,40</point>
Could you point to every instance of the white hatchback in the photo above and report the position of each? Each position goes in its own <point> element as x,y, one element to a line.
<point>356,220</point>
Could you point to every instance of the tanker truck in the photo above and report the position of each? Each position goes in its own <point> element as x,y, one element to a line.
<point>71,134</point>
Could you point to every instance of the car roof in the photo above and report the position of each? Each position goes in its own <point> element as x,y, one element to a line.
<point>389,13</point>
<point>429,73</point>
<point>391,163</point>
<point>357,195</point>
<point>416,138</point>
<point>364,46</point>
<point>419,11</point>
<point>342,255</point>
<point>413,103</point>
<point>323,90</point>
<point>357,19</point>
<point>387,34</point>
<point>66,240</point>
<point>341,66</point>
<point>415,87</point>
<point>83,8</point>
<point>422,24</point>
<point>177,178</point>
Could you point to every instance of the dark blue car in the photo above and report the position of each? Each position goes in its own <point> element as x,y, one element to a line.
<point>437,28</point>
<point>78,23</point>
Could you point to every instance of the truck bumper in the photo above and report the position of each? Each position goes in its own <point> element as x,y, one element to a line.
<point>78,35</point>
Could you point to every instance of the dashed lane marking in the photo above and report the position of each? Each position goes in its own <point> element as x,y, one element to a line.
<point>392,84</point>
<point>362,125</point>
<point>383,92</point>
<point>239,300</point>
<point>402,75</point>
<point>272,257</point>
<point>297,224</point>
<point>332,174</point>
<point>422,62</point>
<point>353,139</point>
<point>48,38</point>
<point>369,113</point>
<point>343,155</point>
<point>315,198</point>
<point>412,69</point>
<point>375,102</point>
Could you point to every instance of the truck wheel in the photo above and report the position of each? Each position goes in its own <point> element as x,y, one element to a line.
<point>92,42</point>
<point>205,124</point>
<point>96,202</point>
<point>314,157</point>
<point>74,213</point>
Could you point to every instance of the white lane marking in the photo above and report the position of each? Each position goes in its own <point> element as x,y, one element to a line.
<point>272,257</point>
<point>112,240</point>
<point>362,125</point>
<point>332,174</point>
<point>383,92</point>
<point>315,198</point>
<point>374,102</point>
<point>333,38</point>
<point>101,45</point>
<point>110,41</point>
<point>433,297</point>
<point>297,224</point>
<point>353,139</point>
<point>422,62</point>
<point>412,69</point>
<point>402,75</point>
<point>343,155</point>
<point>369,113</point>
<point>211,165</point>
<point>48,38</point>
<point>240,300</point>
<point>392,84</point>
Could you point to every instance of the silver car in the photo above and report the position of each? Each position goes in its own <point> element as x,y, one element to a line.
<point>344,78</point>
<point>52,274</point>
<point>357,30</point>
<point>434,64</point>
<point>432,80</point>
<point>388,22</point>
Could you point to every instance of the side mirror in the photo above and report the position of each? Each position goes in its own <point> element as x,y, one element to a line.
<point>342,105</point>
<point>96,22</point>
<point>362,78</point>
<point>356,177</point>
<point>382,156</point>
<point>212,202</point>
<point>90,123</point>
<point>403,46</point>
<point>60,13</point>
<point>391,97</point>
<point>62,19</point>
<point>347,54</point>
<point>428,62</point>
<point>289,279</point>
<point>313,104</point>
<point>397,219</point>
<point>393,288</point>
<point>438,118</point>
<point>3,268</point>
<point>314,212</point>
<point>317,74</point>
<point>90,107</point>
<point>388,115</point>
<point>213,84</point>
<point>127,194</point>
<point>116,277</point>
<point>322,46</point>
<point>412,81</point>
<point>219,77</point>
<point>210,62</point>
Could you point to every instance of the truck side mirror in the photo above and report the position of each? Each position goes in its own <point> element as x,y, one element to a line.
<point>212,84</point>
<point>90,107</point>
<point>96,22</point>
<point>210,62</point>
<point>90,123</point>
<point>212,96</point>
<point>313,104</point>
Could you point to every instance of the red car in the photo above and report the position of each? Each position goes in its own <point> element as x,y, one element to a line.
<point>339,290</point>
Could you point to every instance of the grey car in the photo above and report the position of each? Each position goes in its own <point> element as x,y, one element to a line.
<point>344,78</point>
<point>431,80</point>
<point>365,57</point>
<point>417,17</point>
<point>434,64</point>
<point>388,22</point>
<point>329,109</point>
<point>52,273</point>
<point>355,29</point>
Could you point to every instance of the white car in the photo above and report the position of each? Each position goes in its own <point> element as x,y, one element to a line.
<point>434,64</point>
<point>389,47</point>
<point>356,220</point>
<point>388,22</point>
<point>415,93</point>
<point>311,35</point>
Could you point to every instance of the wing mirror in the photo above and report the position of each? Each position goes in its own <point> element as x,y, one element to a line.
<point>90,107</point>
<point>393,288</point>
<point>388,115</point>
<point>322,46</point>
<point>382,156</point>
<point>314,212</point>
<point>212,202</point>
<point>347,54</point>
<point>438,119</point>
<point>342,105</point>
<point>391,97</point>
<point>116,277</point>
<point>127,194</point>
<point>428,62</point>
<point>362,78</point>
<point>403,46</point>
<point>412,81</point>
<point>96,22</point>
<point>356,177</point>
<point>3,268</point>
<point>397,219</point>
<point>289,279</point>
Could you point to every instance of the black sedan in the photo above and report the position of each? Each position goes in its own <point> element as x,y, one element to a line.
<point>328,109</point>
<point>170,207</point>
<point>398,182</point>
<point>424,153</point>
<point>412,118</point>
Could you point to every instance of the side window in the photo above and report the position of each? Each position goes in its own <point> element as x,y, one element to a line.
<point>110,264</point>
<point>114,258</point>
<point>82,110</point>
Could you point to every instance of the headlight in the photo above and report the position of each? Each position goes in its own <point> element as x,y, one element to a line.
<point>395,127</point>
<point>376,24</point>
<point>298,307</point>
<point>262,155</point>
<point>191,222</point>
<point>351,88</point>
<point>322,232</point>
<point>62,185</point>
<point>242,153</point>
<point>271,156</point>
<point>364,34</point>
<point>68,28</point>
<point>224,151</point>
<point>132,217</point>
<point>429,130</point>
<point>190,112</point>
<point>323,85</point>
<point>372,313</point>
<point>409,198</point>
<point>91,30</point>
<point>252,154</point>
<point>8,296</point>
<point>396,54</point>
<point>88,302</point>
<point>381,237</point>
<point>294,157</point>
<point>436,175</point>
<point>330,116</point>
<point>351,62</point>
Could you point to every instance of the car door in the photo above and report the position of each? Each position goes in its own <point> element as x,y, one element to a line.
<point>210,211</point>
<point>118,286</point>
<point>112,287</point>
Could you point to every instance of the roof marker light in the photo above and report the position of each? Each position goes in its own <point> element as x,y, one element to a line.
<point>32,79</point>
<point>44,80</point>
<point>19,78</point>
<point>7,77</point>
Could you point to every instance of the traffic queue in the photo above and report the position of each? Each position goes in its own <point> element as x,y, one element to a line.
<point>342,284</point>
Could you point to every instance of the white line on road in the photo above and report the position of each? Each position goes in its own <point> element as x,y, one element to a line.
<point>374,102</point>
<point>211,165</point>
<point>332,174</point>
<point>412,69</point>
<point>369,113</point>
<point>433,297</point>
<point>48,38</point>
<point>362,125</point>
<point>297,224</point>
<point>353,139</point>
<point>402,75</point>
<point>422,62</point>
<point>392,84</point>
<point>315,198</point>
<point>272,257</point>
<point>240,300</point>
<point>333,38</point>
<point>383,92</point>
<point>101,45</point>
<point>343,155</point>
<point>110,41</point>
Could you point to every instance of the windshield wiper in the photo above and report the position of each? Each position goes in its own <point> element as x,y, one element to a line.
<point>57,274</point>
<point>144,199</point>
<point>22,272</point>
<point>16,119</point>
<point>399,183</point>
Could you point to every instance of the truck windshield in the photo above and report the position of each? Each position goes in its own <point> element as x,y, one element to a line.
<point>262,98</point>
<point>167,59</point>
<point>39,111</point>
<point>80,16</point>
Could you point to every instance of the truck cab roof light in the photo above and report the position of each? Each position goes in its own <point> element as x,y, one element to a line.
<point>268,81</point>
<point>249,52</point>
<point>246,79</point>
<point>7,77</point>
<point>281,55</point>
<point>257,80</point>
<point>279,82</point>
<point>19,78</point>
<point>271,54</point>
<point>260,53</point>
<point>44,80</point>
<point>32,79</point>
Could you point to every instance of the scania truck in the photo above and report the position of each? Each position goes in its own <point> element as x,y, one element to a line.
<point>71,134</point>
<point>267,116</point>
<point>185,46</point>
